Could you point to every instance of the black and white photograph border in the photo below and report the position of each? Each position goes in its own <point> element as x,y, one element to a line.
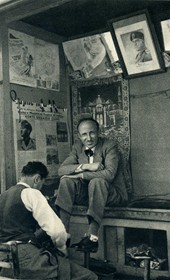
<point>165,27</point>
<point>136,60</point>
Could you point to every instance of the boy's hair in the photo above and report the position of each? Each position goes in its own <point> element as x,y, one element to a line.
<point>35,167</point>
<point>88,119</point>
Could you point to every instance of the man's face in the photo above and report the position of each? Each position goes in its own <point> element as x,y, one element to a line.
<point>88,134</point>
<point>139,44</point>
<point>25,132</point>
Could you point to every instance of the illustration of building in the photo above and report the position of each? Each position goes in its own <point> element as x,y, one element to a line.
<point>106,112</point>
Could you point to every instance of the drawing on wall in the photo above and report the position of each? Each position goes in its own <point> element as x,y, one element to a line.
<point>92,56</point>
<point>21,58</point>
<point>47,65</point>
<point>33,62</point>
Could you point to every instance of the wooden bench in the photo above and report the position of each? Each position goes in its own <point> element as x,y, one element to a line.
<point>119,219</point>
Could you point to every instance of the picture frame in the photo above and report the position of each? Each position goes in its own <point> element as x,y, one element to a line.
<point>165,27</point>
<point>91,56</point>
<point>137,45</point>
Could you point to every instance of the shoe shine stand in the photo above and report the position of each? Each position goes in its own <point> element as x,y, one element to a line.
<point>102,268</point>
<point>111,274</point>
<point>86,257</point>
<point>147,260</point>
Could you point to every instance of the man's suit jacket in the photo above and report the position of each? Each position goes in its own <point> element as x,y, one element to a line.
<point>106,153</point>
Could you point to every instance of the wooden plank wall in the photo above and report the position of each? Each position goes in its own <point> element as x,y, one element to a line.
<point>150,133</point>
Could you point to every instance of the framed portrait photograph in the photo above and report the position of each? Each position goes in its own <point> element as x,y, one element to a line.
<point>137,45</point>
<point>165,26</point>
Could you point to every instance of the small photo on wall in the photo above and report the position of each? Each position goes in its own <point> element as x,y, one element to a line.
<point>26,135</point>
<point>51,140</point>
<point>52,157</point>
<point>62,133</point>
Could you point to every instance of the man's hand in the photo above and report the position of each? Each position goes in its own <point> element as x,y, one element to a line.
<point>73,176</point>
<point>96,166</point>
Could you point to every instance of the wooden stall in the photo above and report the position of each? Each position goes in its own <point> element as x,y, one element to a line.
<point>141,109</point>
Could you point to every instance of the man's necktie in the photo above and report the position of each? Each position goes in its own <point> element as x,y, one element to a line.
<point>89,153</point>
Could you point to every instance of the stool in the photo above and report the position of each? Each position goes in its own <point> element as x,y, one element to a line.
<point>147,260</point>
<point>12,261</point>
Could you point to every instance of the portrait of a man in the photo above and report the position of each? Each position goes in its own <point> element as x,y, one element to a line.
<point>26,143</point>
<point>142,52</point>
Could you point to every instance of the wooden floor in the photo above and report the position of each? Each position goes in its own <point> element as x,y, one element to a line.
<point>5,278</point>
<point>128,277</point>
<point>120,277</point>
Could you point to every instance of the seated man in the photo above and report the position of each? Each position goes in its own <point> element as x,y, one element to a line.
<point>90,176</point>
<point>23,208</point>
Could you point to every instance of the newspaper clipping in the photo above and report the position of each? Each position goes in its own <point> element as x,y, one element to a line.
<point>40,135</point>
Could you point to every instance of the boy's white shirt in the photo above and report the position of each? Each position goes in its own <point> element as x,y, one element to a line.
<point>47,219</point>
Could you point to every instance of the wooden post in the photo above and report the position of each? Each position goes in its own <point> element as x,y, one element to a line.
<point>7,159</point>
<point>147,269</point>
<point>86,259</point>
<point>2,142</point>
<point>147,260</point>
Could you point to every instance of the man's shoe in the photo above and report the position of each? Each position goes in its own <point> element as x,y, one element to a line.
<point>86,245</point>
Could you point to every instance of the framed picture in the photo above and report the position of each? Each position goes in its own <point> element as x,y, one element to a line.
<point>137,45</point>
<point>165,26</point>
<point>92,56</point>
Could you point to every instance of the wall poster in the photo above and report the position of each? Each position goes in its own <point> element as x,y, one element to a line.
<point>47,65</point>
<point>92,56</point>
<point>40,135</point>
<point>33,62</point>
<point>21,59</point>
